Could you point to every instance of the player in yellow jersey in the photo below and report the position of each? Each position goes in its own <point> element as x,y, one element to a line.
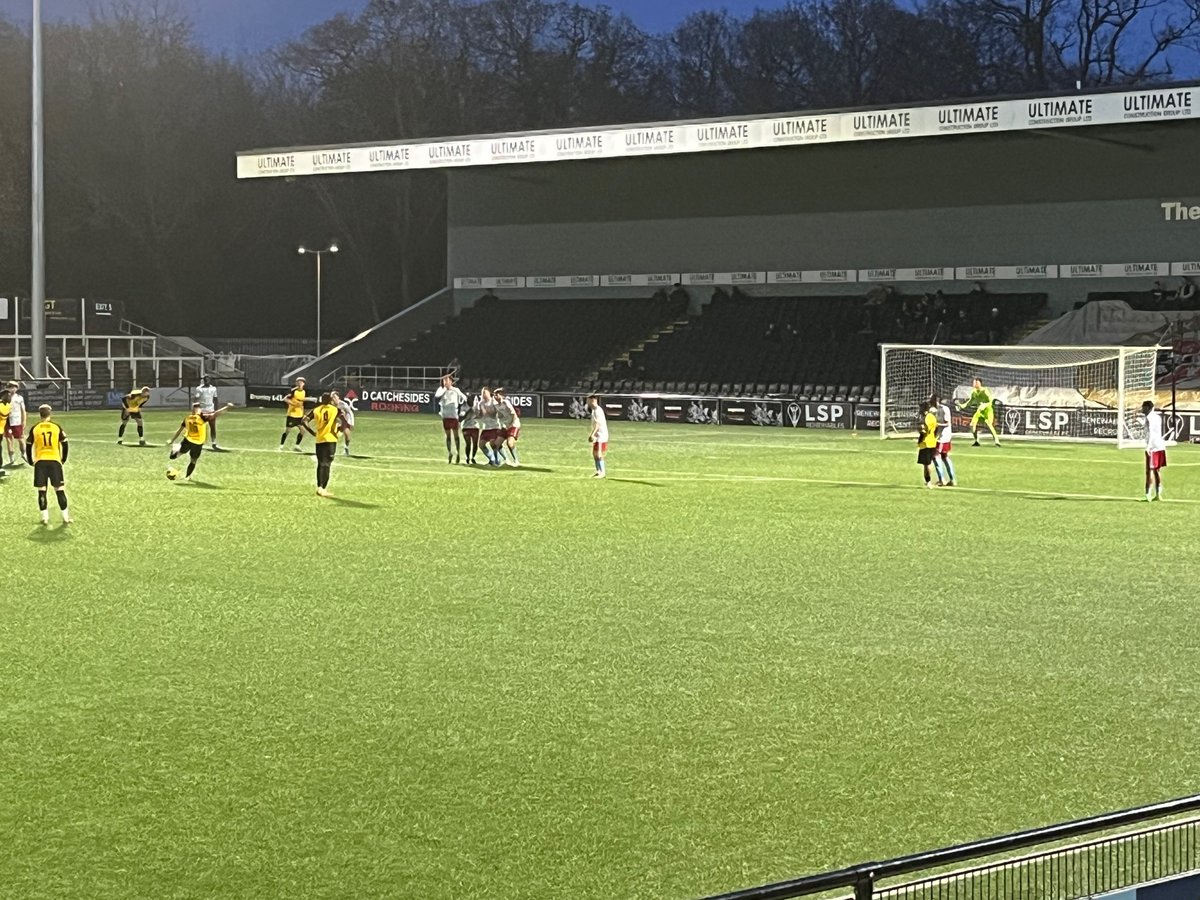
<point>46,450</point>
<point>194,428</point>
<point>6,408</point>
<point>295,414</point>
<point>326,419</point>
<point>131,408</point>
<point>5,404</point>
<point>927,440</point>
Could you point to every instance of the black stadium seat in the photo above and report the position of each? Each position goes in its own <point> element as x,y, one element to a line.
<point>519,341</point>
<point>814,348</point>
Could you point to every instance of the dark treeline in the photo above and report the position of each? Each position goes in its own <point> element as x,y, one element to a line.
<point>142,124</point>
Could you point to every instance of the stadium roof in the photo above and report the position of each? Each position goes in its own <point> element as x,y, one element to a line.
<point>1163,104</point>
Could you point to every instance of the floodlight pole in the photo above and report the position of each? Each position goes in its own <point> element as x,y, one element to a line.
<point>332,248</point>
<point>37,294</point>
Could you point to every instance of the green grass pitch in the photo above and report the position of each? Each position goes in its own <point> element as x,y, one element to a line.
<point>749,654</point>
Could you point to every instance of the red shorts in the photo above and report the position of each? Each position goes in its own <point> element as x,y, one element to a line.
<point>450,424</point>
<point>599,447</point>
<point>1156,459</point>
<point>472,433</point>
<point>489,435</point>
<point>943,449</point>
<point>14,431</point>
<point>513,433</point>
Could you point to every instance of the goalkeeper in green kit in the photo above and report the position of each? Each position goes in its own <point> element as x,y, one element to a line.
<point>985,412</point>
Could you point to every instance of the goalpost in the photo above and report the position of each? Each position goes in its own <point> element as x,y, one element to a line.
<point>1048,393</point>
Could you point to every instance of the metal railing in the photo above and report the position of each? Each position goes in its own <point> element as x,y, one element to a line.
<point>1108,862</point>
<point>384,377</point>
<point>54,375</point>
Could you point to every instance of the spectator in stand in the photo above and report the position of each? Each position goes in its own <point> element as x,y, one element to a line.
<point>977,289</point>
<point>995,327</point>
<point>1187,291</point>
<point>1159,291</point>
<point>924,312</point>
<point>866,321</point>
<point>772,333</point>
<point>679,299</point>
<point>962,326</point>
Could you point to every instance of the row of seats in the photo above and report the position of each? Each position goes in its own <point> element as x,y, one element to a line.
<point>518,340</point>
<point>752,342</point>
<point>807,339</point>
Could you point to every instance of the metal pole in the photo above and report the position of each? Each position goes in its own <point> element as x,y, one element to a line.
<point>37,314</point>
<point>319,255</point>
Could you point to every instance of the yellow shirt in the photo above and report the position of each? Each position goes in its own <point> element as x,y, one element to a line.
<point>196,428</point>
<point>46,439</point>
<point>5,409</point>
<point>135,400</point>
<point>295,404</point>
<point>326,418</point>
<point>931,430</point>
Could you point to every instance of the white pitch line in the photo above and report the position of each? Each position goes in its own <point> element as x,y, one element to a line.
<point>986,455</point>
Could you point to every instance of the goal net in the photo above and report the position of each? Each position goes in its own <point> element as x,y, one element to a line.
<point>1051,393</point>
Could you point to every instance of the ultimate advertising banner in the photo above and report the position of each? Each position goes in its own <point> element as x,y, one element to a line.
<point>1153,105</point>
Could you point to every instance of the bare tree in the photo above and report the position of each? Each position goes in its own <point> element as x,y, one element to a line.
<point>1113,42</point>
<point>701,53</point>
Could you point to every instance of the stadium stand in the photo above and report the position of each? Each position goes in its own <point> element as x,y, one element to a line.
<point>523,342</point>
<point>823,348</point>
<point>116,360</point>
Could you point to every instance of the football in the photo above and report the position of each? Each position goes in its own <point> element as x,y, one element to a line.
<point>172,474</point>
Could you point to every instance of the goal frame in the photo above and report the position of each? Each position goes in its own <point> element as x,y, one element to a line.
<point>1120,353</point>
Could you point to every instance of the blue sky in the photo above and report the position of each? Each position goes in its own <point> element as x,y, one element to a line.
<point>248,25</point>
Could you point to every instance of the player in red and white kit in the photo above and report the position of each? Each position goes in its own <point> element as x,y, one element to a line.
<point>470,428</point>
<point>941,457</point>
<point>448,399</point>
<point>510,426</point>
<point>598,436</point>
<point>1156,450</point>
<point>347,410</point>
<point>489,426</point>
